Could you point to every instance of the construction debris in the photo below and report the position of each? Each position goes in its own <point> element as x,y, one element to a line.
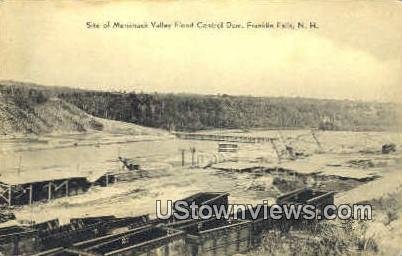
<point>388,148</point>
<point>130,164</point>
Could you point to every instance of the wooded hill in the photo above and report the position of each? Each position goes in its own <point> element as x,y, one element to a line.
<point>195,112</point>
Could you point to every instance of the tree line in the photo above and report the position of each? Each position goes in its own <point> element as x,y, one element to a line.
<point>195,112</point>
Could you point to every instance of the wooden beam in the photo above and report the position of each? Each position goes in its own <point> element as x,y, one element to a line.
<point>49,195</point>
<point>67,192</point>
<point>182,156</point>
<point>30,194</point>
<point>6,193</point>
<point>316,140</point>
<point>62,184</point>
<point>10,194</point>
<point>276,150</point>
<point>4,186</point>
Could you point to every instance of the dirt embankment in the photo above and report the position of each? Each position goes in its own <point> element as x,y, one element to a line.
<point>57,116</point>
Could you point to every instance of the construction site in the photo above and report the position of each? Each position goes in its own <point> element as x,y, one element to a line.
<point>200,128</point>
<point>105,206</point>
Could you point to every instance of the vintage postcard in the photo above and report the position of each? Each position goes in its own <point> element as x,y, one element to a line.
<point>200,127</point>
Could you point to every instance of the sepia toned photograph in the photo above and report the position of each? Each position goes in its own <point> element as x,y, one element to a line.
<point>197,128</point>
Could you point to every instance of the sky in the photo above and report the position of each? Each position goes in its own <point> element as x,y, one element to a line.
<point>355,53</point>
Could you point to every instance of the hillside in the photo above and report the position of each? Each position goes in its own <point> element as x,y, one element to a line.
<point>54,115</point>
<point>31,108</point>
